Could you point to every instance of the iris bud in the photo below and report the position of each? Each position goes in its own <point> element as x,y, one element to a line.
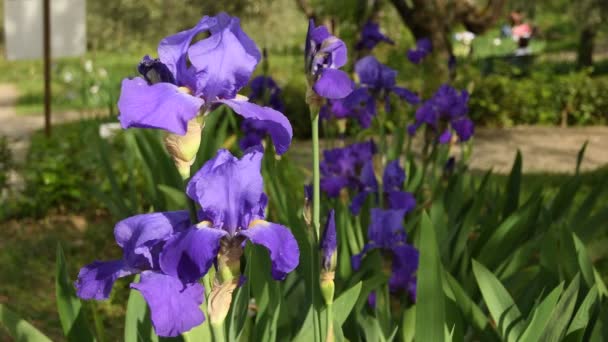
<point>183,148</point>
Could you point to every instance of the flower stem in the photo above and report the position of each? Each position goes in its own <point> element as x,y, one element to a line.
<point>316,182</point>
<point>330,323</point>
<point>217,329</point>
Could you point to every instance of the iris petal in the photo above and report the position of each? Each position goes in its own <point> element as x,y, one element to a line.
<point>190,254</point>
<point>278,239</point>
<point>138,234</point>
<point>333,84</point>
<point>161,106</point>
<point>95,280</point>
<point>274,122</point>
<point>174,306</point>
<point>225,60</point>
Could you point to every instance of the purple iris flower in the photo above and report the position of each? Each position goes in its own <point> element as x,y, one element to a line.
<point>324,54</point>
<point>423,48</point>
<point>341,166</point>
<point>359,105</point>
<point>264,91</point>
<point>447,108</point>
<point>392,188</point>
<point>371,36</point>
<point>386,232</point>
<point>230,192</point>
<point>190,79</point>
<point>174,302</point>
<point>381,81</point>
<point>329,242</point>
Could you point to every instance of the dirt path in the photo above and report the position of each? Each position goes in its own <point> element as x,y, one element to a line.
<point>544,149</point>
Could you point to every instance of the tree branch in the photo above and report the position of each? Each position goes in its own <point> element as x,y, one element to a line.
<point>478,20</point>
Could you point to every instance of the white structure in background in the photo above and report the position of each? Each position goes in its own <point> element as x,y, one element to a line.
<point>23,28</point>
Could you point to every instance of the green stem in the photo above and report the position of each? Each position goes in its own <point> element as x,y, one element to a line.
<point>316,215</point>
<point>191,204</point>
<point>217,329</point>
<point>330,323</point>
<point>316,197</point>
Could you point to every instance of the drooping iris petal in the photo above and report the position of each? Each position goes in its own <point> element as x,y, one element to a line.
<point>190,254</point>
<point>357,258</point>
<point>333,185</point>
<point>371,36</point>
<point>357,202</point>
<point>95,280</point>
<point>174,306</point>
<point>329,242</point>
<point>161,106</point>
<point>368,177</point>
<point>464,127</point>
<point>334,84</point>
<point>283,248</point>
<point>370,72</point>
<point>404,267</point>
<point>172,49</point>
<point>138,234</point>
<point>423,47</point>
<point>406,95</point>
<point>275,123</point>
<point>229,190</point>
<point>401,200</point>
<point>386,226</point>
<point>225,60</point>
<point>393,177</point>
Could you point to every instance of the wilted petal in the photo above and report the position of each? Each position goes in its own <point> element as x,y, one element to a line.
<point>174,306</point>
<point>137,235</point>
<point>225,60</point>
<point>190,254</point>
<point>274,122</point>
<point>283,248</point>
<point>161,106</point>
<point>95,280</point>
<point>333,84</point>
<point>229,190</point>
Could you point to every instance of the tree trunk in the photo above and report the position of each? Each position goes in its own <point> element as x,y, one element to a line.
<point>434,19</point>
<point>585,47</point>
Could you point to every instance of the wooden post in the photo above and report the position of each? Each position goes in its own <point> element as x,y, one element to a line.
<point>46,38</point>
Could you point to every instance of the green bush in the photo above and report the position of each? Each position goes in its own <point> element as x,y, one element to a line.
<point>541,97</point>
